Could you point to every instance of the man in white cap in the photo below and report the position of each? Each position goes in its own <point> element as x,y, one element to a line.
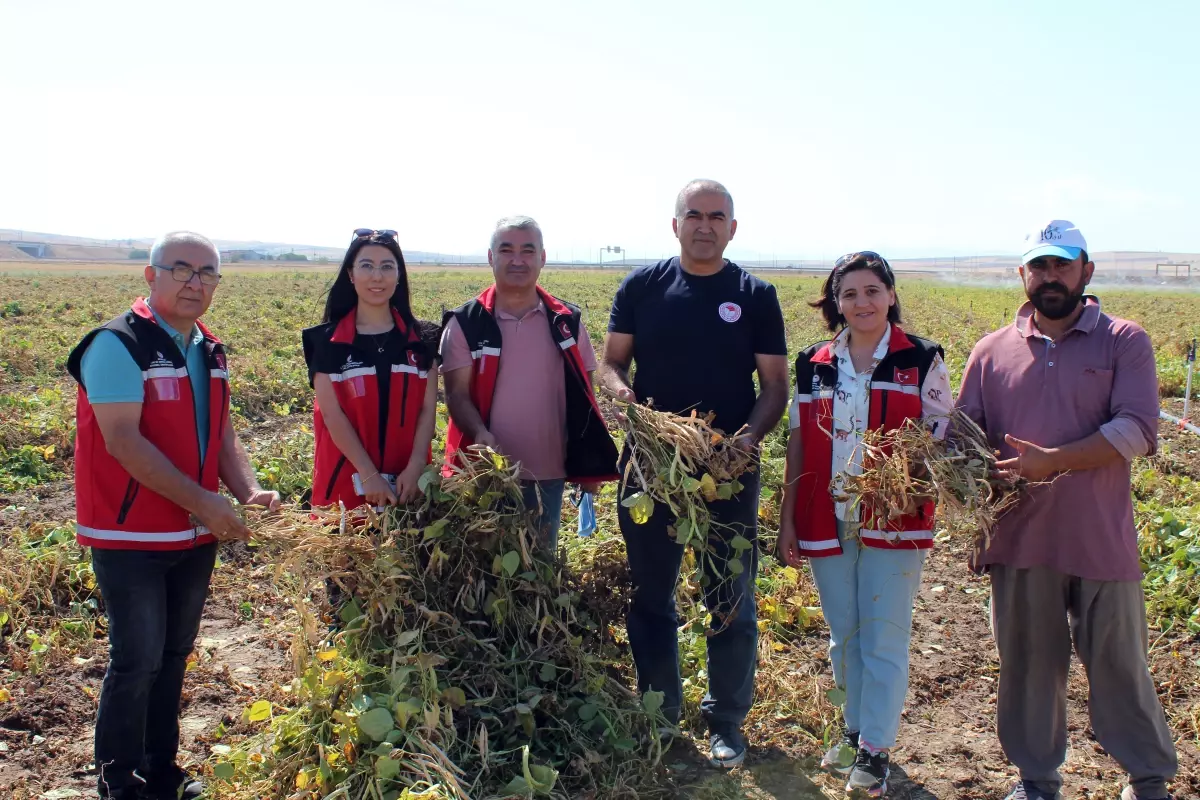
<point>1069,396</point>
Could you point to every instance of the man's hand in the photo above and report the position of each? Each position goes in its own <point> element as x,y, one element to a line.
<point>485,439</point>
<point>261,497</point>
<point>590,488</point>
<point>406,482</point>
<point>625,395</point>
<point>1033,463</point>
<point>788,545</point>
<point>218,515</point>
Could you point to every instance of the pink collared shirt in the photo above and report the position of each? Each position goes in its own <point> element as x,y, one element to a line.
<point>1098,376</point>
<point>529,407</point>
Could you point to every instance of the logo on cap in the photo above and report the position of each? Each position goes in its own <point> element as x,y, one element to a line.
<point>730,312</point>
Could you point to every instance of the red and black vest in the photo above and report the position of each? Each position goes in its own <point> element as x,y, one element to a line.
<point>591,453</point>
<point>113,510</point>
<point>386,433</point>
<point>895,397</point>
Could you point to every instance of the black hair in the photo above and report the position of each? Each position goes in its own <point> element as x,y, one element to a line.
<point>853,262</point>
<point>342,297</point>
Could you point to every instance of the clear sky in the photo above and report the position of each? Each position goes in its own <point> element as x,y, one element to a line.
<point>914,128</point>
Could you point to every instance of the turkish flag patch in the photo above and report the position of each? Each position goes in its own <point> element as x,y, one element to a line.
<point>906,377</point>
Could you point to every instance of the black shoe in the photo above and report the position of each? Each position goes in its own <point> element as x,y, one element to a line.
<point>726,749</point>
<point>869,774</point>
<point>128,793</point>
<point>172,784</point>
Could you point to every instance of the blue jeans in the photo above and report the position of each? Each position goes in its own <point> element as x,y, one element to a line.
<point>153,601</point>
<point>867,598</point>
<point>653,624</point>
<point>548,496</point>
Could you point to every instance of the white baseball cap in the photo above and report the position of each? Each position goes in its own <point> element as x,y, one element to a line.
<point>1057,238</point>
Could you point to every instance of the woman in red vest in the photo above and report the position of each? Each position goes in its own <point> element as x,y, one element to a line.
<point>375,381</point>
<point>871,376</point>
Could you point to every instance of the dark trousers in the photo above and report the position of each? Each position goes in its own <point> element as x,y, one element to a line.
<point>154,601</point>
<point>545,497</point>
<point>1036,615</point>
<point>653,624</point>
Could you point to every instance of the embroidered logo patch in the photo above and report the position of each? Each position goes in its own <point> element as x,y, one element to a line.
<point>906,377</point>
<point>730,312</point>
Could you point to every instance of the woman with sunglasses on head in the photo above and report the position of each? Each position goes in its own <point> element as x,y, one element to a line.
<point>870,376</point>
<point>370,363</point>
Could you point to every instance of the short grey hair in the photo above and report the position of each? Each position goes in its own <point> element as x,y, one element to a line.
<point>701,185</point>
<point>181,237</point>
<point>517,223</point>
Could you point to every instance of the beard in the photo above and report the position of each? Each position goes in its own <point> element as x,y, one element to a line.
<point>1056,306</point>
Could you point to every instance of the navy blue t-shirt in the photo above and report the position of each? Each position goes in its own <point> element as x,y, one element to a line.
<point>695,337</point>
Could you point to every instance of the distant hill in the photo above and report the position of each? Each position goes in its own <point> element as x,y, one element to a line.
<point>35,246</point>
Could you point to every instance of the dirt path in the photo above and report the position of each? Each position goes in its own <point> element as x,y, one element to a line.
<point>46,735</point>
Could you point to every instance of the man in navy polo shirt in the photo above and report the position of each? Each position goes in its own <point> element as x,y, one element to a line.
<point>698,327</point>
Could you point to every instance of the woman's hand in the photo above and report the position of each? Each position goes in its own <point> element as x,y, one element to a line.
<point>377,491</point>
<point>406,483</point>
<point>789,548</point>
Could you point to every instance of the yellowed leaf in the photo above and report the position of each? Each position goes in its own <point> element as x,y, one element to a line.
<point>327,655</point>
<point>5,696</point>
<point>301,780</point>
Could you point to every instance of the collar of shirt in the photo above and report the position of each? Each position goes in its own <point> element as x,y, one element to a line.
<point>841,351</point>
<point>540,308</point>
<point>1085,324</point>
<point>196,338</point>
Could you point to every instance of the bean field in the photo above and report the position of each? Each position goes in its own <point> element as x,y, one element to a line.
<point>52,634</point>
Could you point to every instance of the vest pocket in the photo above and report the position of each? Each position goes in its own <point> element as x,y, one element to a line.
<point>337,469</point>
<point>131,491</point>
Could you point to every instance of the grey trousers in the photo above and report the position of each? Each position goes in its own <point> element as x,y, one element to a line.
<point>1036,613</point>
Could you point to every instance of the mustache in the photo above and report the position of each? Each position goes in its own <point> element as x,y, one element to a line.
<point>1052,287</point>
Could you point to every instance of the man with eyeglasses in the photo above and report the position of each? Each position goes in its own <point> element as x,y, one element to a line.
<point>153,442</point>
<point>1069,396</point>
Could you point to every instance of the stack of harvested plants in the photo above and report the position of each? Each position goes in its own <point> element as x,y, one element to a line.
<point>468,664</point>
<point>905,467</point>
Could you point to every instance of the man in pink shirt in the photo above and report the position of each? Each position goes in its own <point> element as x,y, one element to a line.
<point>518,365</point>
<point>1069,396</point>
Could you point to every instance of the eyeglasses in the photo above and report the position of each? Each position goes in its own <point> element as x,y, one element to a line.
<point>369,233</point>
<point>385,270</point>
<point>208,276</point>
<point>868,255</point>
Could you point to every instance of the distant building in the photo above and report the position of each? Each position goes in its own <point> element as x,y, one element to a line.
<point>234,256</point>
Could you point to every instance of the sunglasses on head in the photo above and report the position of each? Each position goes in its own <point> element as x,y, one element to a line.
<point>370,233</point>
<point>870,256</point>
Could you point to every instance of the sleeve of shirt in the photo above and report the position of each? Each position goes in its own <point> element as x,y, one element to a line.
<point>769,336</point>
<point>937,401</point>
<point>970,393</point>
<point>455,352</point>
<point>621,318</point>
<point>586,351</point>
<point>110,375</point>
<point>1133,429</point>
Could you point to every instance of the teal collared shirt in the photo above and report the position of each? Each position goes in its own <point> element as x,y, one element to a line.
<point>112,376</point>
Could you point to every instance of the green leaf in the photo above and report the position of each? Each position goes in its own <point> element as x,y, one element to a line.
<point>350,612</point>
<point>736,567</point>
<point>383,749</point>
<point>260,711</point>
<point>511,562</point>
<point>455,696</point>
<point>428,477</point>
<point>740,543</point>
<point>223,770</point>
<point>725,491</point>
<point>387,768</point>
<point>836,696</point>
<point>641,509</point>
<point>588,712</point>
<point>406,638</point>
<point>626,745</point>
<point>435,530</point>
<point>376,723</point>
<point>548,673</point>
<point>631,499</point>
<point>652,702</point>
<point>690,484</point>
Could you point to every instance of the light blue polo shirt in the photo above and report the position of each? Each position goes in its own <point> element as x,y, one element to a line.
<point>112,376</point>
